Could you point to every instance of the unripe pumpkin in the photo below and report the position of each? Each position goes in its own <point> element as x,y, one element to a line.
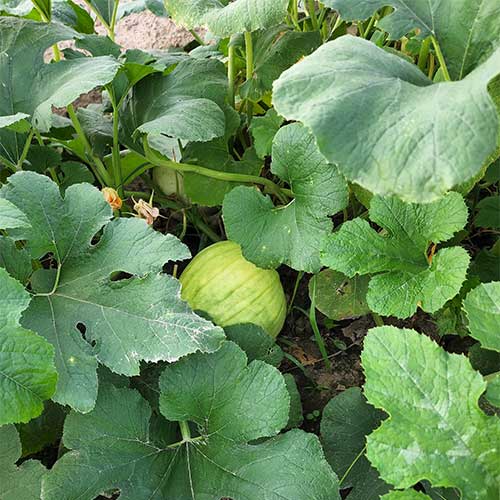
<point>169,181</point>
<point>232,290</point>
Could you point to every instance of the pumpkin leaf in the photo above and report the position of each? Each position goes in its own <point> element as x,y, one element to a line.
<point>185,104</point>
<point>294,233</point>
<point>482,307</point>
<point>27,372</point>
<point>347,420</point>
<point>228,403</point>
<point>124,321</point>
<point>29,87</point>
<point>223,18</point>
<point>360,108</point>
<point>339,297</point>
<point>435,430</point>
<point>404,275</point>
<point>16,483</point>
<point>458,25</point>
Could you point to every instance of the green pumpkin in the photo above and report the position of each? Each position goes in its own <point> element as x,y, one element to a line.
<point>221,282</point>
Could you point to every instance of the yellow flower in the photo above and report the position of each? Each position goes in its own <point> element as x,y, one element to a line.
<point>111,196</point>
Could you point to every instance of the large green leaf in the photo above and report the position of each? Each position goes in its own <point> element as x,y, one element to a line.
<point>347,420</point>
<point>125,321</point>
<point>292,233</point>
<point>482,306</point>
<point>31,87</point>
<point>225,18</point>
<point>436,430</point>
<point>385,124</point>
<point>405,277</point>
<point>275,50</point>
<point>27,372</point>
<point>228,403</point>
<point>17,483</point>
<point>186,104</point>
<point>467,30</point>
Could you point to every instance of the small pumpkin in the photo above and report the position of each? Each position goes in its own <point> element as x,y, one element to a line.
<point>232,290</point>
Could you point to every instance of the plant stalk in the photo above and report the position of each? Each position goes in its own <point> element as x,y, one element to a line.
<point>116,158</point>
<point>439,55</point>
<point>156,160</point>
<point>424,54</point>
<point>249,70</point>
<point>231,72</point>
<point>185,431</point>
<point>311,10</point>
<point>112,24</point>
<point>100,168</point>
<point>314,326</point>
<point>25,151</point>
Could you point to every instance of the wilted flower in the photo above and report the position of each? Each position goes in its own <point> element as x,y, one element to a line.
<point>146,211</point>
<point>111,196</point>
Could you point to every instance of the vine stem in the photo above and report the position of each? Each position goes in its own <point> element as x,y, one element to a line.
<point>25,151</point>
<point>377,319</point>
<point>231,72</point>
<point>439,55</point>
<point>370,25</point>
<point>185,431</point>
<point>314,326</point>
<point>101,169</point>
<point>158,161</point>
<point>197,37</point>
<point>424,54</point>
<point>112,24</point>
<point>116,159</point>
<point>311,10</point>
<point>249,70</point>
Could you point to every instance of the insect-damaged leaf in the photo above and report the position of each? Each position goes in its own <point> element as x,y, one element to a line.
<point>404,275</point>
<point>386,125</point>
<point>29,87</point>
<point>294,233</point>
<point>223,18</point>
<point>435,430</point>
<point>125,321</point>
<point>228,403</point>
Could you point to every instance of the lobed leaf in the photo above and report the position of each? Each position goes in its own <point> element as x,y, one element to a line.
<point>294,233</point>
<point>27,372</point>
<point>435,430</point>
<point>115,447</point>
<point>29,87</point>
<point>124,321</point>
<point>347,420</point>
<point>404,276</point>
